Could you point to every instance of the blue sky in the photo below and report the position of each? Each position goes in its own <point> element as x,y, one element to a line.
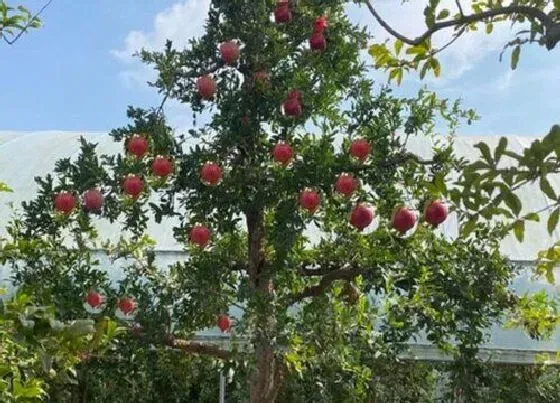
<point>76,73</point>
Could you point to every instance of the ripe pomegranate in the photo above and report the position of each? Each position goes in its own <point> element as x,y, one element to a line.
<point>309,200</point>
<point>403,219</point>
<point>126,305</point>
<point>92,200</point>
<point>282,13</point>
<point>200,235</point>
<point>137,146</point>
<point>317,41</point>
<point>361,216</point>
<point>224,323</point>
<point>94,299</point>
<point>346,184</point>
<point>230,52</point>
<point>65,202</point>
<point>206,87</point>
<point>292,107</point>
<point>133,185</point>
<point>320,24</point>
<point>282,153</point>
<point>359,149</point>
<point>211,173</point>
<point>435,212</point>
<point>162,167</point>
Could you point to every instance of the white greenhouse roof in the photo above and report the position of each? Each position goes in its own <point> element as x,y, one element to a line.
<point>24,155</point>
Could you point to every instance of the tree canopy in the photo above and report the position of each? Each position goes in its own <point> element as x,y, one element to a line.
<point>274,201</point>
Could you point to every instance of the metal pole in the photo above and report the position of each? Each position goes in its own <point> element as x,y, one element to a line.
<point>222,388</point>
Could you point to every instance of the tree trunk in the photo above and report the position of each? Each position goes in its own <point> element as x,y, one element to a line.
<point>267,376</point>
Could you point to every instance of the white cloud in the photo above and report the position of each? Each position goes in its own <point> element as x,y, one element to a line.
<point>178,23</point>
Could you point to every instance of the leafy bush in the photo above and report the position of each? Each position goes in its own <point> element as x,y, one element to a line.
<point>38,353</point>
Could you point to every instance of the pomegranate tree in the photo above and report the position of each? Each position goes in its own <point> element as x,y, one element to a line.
<point>290,241</point>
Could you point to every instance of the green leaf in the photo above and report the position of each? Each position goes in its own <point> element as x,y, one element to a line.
<point>547,188</point>
<point>430,18</point>
<point>512,201</point>
<point>489,28</point>
<point>398,46</point>
<point>502,145</point>
<point>550,275</point>
<point>532,217</point>
<point>436,67</point>
<point>553,221</point>
<point>442,14</point>
<point>424,70</point>
<point>519,230</point>
<point>557,4</point>
<point>468,227</point>
<point>5,188</point>
<point>439,182</point>
<point>417,50</point>
<point>515,57</point>
<point>485,151</point>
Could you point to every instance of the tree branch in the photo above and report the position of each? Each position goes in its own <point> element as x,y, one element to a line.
<point>24,29</point>
<point>530,12</point>
<point>455,37</point>
<point>195,347</point>
<point>458,2</point>
<point>346,273</point>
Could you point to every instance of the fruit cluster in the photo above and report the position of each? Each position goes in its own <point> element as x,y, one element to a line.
<point>133,185</point>
<point>211,174</point>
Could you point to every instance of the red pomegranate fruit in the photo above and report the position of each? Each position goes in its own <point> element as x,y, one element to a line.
<point>403,219</point>
<point>282,13</point>
<point>206,87</point>
<point>292,107</point>
<point>211,173</point>
<point>282,153</point>
<point>309,200</point>
<point>94,299</point>
<point>346,184</point>
<point>133,185</point>
<point>359,149</point>
<point>126,305</point>
<point>320,24</point>
<point>162,166</point>
<point>92,200</point>
<point>435,212</point>
<point>200,235</point>
<point>224,323</point>
<point>317,42</point>
<point>230,52</point>
<point>361,217</point>
<point>137,145</point>
<point>65,202</point>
